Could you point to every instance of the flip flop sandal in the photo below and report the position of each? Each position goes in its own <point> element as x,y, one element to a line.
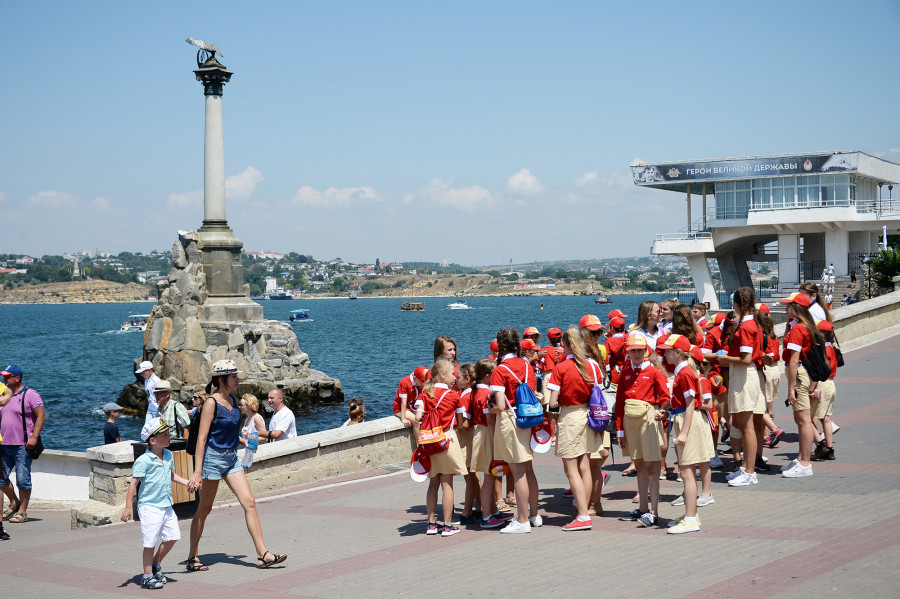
<point>194,564</point>
<point>9,511</point>
<point>629,472</point>
<point>18,518</point>
<point>277,559</point>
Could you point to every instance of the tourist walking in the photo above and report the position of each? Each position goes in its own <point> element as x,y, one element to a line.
<point>216,459</point>
<point>21,422</point>
<point>145,371</point>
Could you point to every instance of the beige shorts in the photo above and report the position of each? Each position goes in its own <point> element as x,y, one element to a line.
<point>743,391</point>
<point>644,437</point>
<point>482,450</point>
<point>801,390</point>
<point>698,447</point>
<point>772,377</point>
<point>575,437</point>
<point>511,443</point>
<point>825,404</point>
<point>761,399</point>
<point>465,437</point>
<point>605,444</point>
<point>448,462</point>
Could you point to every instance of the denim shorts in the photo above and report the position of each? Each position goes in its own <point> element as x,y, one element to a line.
<point>16,457</point>
<point>219,463</point>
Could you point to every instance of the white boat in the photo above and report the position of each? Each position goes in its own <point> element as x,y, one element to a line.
<point>459,305</point>
<point>300,315</point>
<point>135,322</point>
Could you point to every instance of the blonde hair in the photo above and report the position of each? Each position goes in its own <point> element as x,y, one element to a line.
<point>251,401</point>
<point>572,338</point>
<point>438,370</point>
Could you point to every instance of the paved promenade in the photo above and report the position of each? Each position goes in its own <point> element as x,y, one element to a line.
<point>836,534</point>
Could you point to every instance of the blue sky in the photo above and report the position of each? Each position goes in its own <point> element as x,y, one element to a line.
<point>472,131</point>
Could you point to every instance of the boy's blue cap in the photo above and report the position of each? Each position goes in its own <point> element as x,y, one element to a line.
<point>13,370</point>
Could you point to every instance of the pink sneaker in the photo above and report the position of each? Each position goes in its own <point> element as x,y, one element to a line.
<point>576,524</point>
<point>492,522</point>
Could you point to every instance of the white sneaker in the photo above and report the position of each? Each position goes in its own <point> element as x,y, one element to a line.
<point>678,500</point>
<point>834,427</point>
<point>744,480</point>
<point>516,527</point>
<point>798,471</point>
<point>789,465</point>
<point>765,459</point>
<point>536,521</point>
<point>715,462</point>
<point>705,500</point>
<point>735,474</point>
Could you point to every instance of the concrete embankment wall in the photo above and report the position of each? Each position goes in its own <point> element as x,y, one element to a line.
<point>99,477</point>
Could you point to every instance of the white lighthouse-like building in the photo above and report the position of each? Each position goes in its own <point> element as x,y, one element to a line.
<point>817,209</point>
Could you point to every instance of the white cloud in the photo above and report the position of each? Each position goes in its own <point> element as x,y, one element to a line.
<point>52,199</point>
<point>334,196</point>
<point>443,193</point>
<point>181,199</point>
<point>586,179</point>
<point>242,185</point>
<point>525,183</point>
<point>100,203</point>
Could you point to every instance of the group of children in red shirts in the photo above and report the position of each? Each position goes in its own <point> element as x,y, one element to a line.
<point>719,376</point>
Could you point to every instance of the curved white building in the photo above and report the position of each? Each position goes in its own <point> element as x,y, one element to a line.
<point>818,209</point>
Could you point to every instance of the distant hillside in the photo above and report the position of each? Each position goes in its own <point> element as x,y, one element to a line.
<point>76,292</point>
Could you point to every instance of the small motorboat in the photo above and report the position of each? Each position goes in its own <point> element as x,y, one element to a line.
<point>459,305</point>
<point>602,299</point>
<point>352,296</point>
<point>135,322</point>
<point>412,306</point>
<point>301,314</point>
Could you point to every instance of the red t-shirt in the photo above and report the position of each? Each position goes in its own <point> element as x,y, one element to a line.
<point>646,383</point>
<point>772,349</point>
<point>553,357</point>
<point>406,390</point>
<point>796,340</point>
<point>832,359</point>
<point>478,406</point>
<point>464,409</point>
<point>685,386</point>
<point>616,356</point>
<point>747,340</point>
<point>714,340</point>
<point>446,401</point>
<point>705,388</point>
<point>505,382</point>
<point>573,389</point>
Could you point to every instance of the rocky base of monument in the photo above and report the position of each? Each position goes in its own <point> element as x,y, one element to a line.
<point>183,345</point>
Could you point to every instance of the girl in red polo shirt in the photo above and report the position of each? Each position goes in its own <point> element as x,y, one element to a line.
<point>642,389</point>
<point>822,402</point>
<point>771,375</point>
<point>511,443</point>
<point>465,432</point>
<point>693,441</point>
<point>799,342</point>
<point>570,390</point>
<point>437,395</point>
<point>745,398</point>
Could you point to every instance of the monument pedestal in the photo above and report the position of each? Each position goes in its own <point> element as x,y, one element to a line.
<point>227,298</point>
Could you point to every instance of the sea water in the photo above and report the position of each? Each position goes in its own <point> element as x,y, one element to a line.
<point>76,358</point>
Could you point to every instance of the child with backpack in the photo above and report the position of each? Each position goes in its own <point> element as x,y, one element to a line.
<point>693,440</point>
<point>512,442</point>
<point>571,386</point>
<point>642,389</point>
<point>465,431</point>
<point>483,446</point>
<point>822,401</point>
<point>436,417</point>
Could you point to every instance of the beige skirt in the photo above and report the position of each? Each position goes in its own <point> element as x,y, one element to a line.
<point>698,447</point>
<point>743,389</point>
<point>465,437</point>
<point>482,450</point>
<point>644,437</point>
<point>448,462</point>
<point>575,437</point>
<point>511,443</point>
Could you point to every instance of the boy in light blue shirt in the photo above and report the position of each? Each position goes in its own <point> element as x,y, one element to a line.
<point>155,470</point>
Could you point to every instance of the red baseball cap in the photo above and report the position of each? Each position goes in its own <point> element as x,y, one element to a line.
<point>676,341</point>
<point>763,307</point>
<point>554,333</point>
<point>590,322</point>
<point>824,325</point>
<point>527,344</point>
<point>419,466</point>
<point>617,322</point>
<point>422,373</point>
<point>495,346</point>
<point>541,436</point>
<point>616,313</point>
<point>697,354</point>
<point>719,318</point>
<point>796,298</point>
<point>531,331</point>
<point>636,341</point>
<point>499,468</point>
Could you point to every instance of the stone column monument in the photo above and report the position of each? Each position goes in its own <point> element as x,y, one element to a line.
<point>205,313</point>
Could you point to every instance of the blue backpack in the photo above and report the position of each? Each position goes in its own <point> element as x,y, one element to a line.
<point>598,410</point>
<point>529,411</point>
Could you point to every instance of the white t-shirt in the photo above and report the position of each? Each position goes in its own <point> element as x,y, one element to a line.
<point>283,420</point>
<point>152,405</point>
<point>817,312</point>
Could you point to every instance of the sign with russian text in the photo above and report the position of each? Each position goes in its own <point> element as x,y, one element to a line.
<point>745,168</point>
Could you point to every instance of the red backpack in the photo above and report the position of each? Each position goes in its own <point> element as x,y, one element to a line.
<point>432,439</point>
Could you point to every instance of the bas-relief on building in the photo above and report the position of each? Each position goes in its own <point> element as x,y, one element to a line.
<point>825,208</point>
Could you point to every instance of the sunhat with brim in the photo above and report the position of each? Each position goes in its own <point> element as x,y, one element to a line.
<point>636,341</point>
<point>797,297</point>
<point>541,436</point>
<point>223,367</point>
<point>419,467</point>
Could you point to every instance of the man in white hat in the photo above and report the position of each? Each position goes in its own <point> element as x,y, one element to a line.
<point>145,371</point>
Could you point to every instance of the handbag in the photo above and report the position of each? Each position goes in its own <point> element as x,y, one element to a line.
<point>635,408</point>
<point>38,449</point>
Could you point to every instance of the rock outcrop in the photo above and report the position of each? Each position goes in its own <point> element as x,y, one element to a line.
<point>183,344</point>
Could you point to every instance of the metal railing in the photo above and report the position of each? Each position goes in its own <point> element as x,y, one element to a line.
<point>682,236</point>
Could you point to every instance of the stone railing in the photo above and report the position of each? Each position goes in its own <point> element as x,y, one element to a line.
<point>277,465</point>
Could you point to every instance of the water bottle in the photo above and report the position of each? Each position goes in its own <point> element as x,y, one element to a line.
<point>252,445</point>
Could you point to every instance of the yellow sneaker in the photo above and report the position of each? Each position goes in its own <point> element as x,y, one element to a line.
<point>683,526</point>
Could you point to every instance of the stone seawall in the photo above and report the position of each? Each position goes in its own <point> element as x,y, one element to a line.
<point>76,292</point>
